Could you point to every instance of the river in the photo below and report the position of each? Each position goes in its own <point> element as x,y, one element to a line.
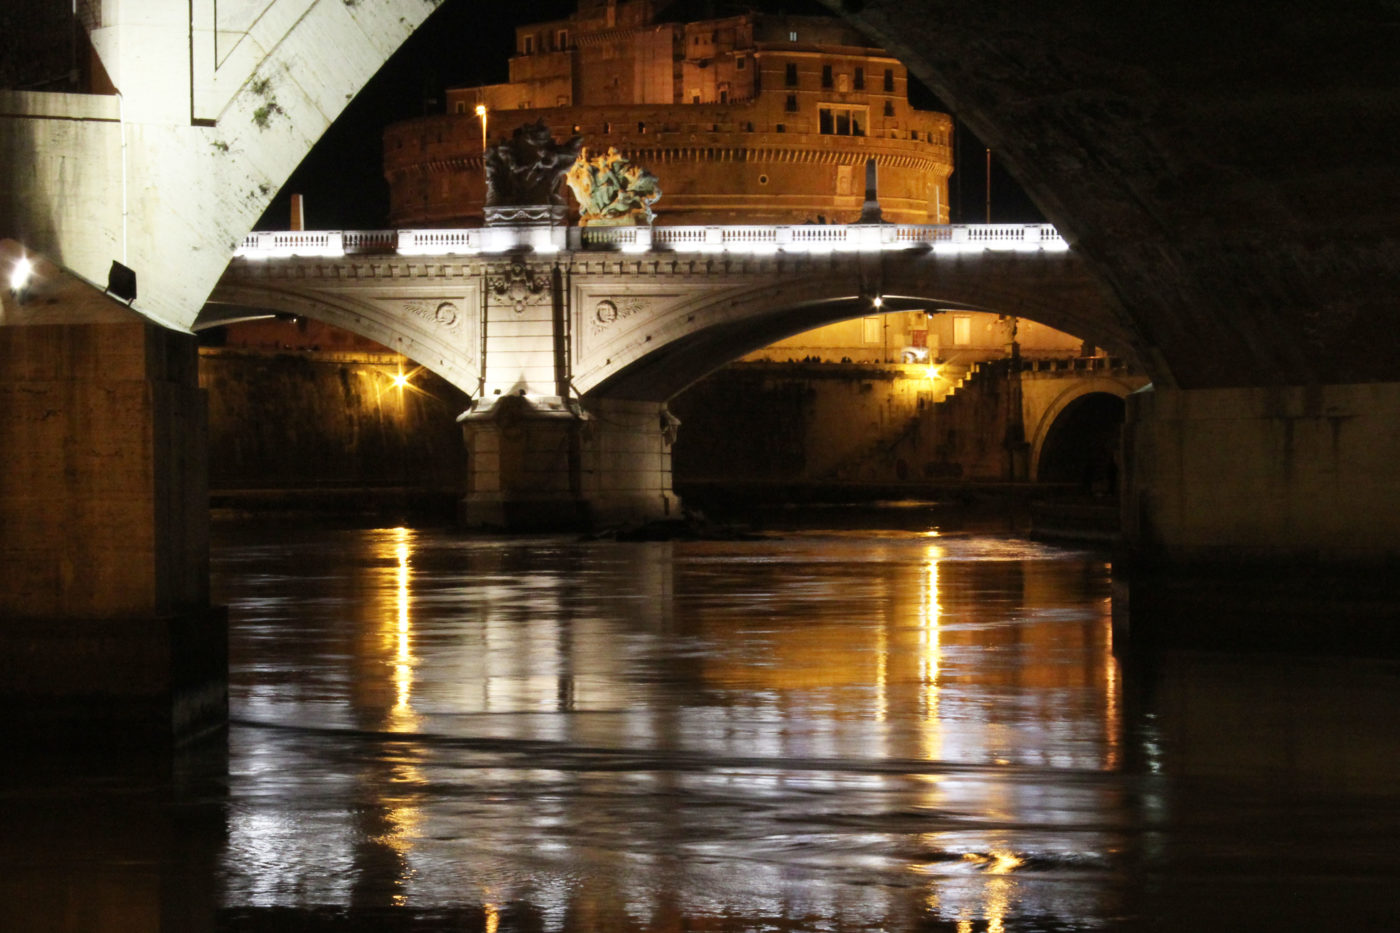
<point>825,730</point>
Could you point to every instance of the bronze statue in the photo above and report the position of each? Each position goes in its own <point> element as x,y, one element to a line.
<point>611,191</point>
<point>526,169</point>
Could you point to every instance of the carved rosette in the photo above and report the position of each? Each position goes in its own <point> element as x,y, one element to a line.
<point>609,311</point>
<point>519,287</point>
<point>443,313</point>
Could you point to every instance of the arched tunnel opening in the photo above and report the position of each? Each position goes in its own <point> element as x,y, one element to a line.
<point>1082,446</point>
<point>849,412</point>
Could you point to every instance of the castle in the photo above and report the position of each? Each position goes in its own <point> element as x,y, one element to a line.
<point>747,118</point>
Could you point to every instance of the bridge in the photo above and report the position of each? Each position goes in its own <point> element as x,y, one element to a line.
<point>584,333</point>
<point>1242,227</point>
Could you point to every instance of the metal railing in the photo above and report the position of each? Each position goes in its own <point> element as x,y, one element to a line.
<point>748,238</point>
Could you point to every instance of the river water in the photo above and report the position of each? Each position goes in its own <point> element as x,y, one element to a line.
<point>814,730</point>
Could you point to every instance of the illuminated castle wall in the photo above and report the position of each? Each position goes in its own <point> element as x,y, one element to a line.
<point>750,118</point>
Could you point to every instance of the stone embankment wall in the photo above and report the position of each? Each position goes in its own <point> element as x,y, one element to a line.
<point>325,422</point>
<point>834,424</point>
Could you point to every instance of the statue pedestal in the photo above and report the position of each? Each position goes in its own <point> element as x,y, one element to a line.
<point>544,463</point>
<point>526,215</point>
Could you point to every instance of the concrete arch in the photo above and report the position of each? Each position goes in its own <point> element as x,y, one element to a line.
<point>181,162</point>
<point>682,336</point>
<point>447,348</point>
<point>1199,183</point>
<point>1067,394</point>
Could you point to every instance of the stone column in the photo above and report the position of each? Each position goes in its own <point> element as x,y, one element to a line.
<point>544,463</point>
<point>1262,517</point>
<point>103,517</point>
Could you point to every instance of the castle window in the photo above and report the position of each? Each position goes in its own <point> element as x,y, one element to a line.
<point>889,108</point>
<point>724,95</point>
<point>739,63</point>
<point>561,40</point>
<point>781,128</point>
<point>889,79</point>
<point>791,103</point>
<point>792,36</point>
<point>641,127</point>
<point>841,120</point>
<point>859,79</point>
<point>791,74</point>
<point>826,76</point>
<point>529,46</point>
<point>460,107</point>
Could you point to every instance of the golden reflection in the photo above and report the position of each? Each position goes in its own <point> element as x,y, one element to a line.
<point>493,917</point>
<point>882,675</point>
<point>1112,691</point>
<point>931,655</point>
<point>402,718</point>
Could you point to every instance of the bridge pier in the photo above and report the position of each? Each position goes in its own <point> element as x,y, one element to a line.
<point>544,463</point>
<point>1262,517</point>
<point>104,535</point>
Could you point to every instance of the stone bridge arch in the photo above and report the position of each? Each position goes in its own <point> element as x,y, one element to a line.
<point>1221,202</point>
<point>683,318</point>
<point>1048,399</point>
<point>435,326</point>
<point>180,161</point>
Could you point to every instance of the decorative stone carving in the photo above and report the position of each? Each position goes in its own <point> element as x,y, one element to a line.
<point>611,191</point>
<point>525,170</point>
<point>442,313</point>
<point>520,287</point>
<point>609,312</point>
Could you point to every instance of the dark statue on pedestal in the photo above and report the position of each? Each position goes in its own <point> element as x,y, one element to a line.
<point>526,168</point>
<point>523,174</point>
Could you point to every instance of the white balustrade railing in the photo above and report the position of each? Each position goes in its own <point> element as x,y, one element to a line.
<point>749,238</point>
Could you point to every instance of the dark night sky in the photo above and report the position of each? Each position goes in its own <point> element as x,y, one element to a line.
<point>342,180</point>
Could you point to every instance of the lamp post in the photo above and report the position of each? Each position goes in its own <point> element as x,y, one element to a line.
<point>481,112</point>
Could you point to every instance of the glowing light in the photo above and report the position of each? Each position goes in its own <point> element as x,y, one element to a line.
<point>399,379</point>
<point>19,275</point>
<point>878,302</point>
<point>932,373</point>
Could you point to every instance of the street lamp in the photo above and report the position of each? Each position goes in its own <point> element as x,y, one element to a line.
<point>481,112</point>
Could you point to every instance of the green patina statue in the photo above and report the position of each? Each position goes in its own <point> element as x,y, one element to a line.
<point>611,191</point>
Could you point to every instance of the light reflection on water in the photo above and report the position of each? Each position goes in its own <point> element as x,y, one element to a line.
<point>827,730</point>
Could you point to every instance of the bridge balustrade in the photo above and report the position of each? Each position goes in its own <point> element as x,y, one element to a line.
<point>750,238</point>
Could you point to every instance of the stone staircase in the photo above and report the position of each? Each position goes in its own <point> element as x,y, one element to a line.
<point>953,376</point>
